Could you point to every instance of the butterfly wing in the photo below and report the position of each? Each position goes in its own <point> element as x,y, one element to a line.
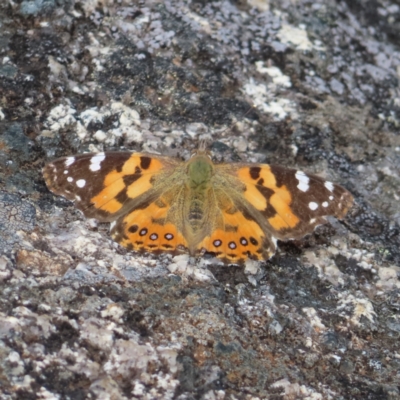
<point>155,226</point>
<point>135,191</point>
<point>266,203</point>
<point>107,185</point>
<point>292,201</point>
<point>238,238</point>
<point>249,207</point>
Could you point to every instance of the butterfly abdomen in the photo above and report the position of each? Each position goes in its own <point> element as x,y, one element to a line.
<point>196,210</point>
<point>198,185</point>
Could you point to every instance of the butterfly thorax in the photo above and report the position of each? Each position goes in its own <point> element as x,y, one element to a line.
<point>200,171</point>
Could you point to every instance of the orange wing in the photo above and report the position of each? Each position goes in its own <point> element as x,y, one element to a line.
<point>232,233</point>
<point>107,185</point>
<point>260,203</point>
<point>288,203</point>
<point>238,239</point>
<point>149,229</point>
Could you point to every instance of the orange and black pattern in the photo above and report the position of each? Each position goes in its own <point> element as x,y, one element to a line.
<point>238,212</point>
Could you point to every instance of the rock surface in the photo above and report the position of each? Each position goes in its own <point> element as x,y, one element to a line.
<point>308,84</point>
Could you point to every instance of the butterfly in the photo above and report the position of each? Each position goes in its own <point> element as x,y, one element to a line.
<point>236,211</point>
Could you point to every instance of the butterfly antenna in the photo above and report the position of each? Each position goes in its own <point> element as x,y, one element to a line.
<point>203,145</point>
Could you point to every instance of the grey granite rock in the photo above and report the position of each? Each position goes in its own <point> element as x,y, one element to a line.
<point>306,84</point>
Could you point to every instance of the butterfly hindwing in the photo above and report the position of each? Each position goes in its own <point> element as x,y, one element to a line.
<point>150,229</point>
<point>238,239</point>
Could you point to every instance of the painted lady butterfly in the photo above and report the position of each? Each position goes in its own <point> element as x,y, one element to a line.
<point>160,204</point>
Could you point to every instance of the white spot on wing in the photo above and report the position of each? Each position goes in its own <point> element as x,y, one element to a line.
<point>112,225</point>
<point>65,171</point>
<point>329,186</point>
<point>95,162</point>
<point>81,183</point>
<point>304,181</point>
<point>69,161</point>
<point>312,205</point>
<point>69,179</point>
<point>331,198</point>
<point>325,204</point>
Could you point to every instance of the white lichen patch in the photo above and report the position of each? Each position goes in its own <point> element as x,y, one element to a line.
<point>113,311</point>
<point>252,267</point>
<point>92,115</point>
<point>128,116</point>
<point>196,129</point>
<point>180,264</point>
<point>97,333</point>
<point>5,268</point>
<point>296,391</point>
<point>106,388</point>
<point>8,324</point>
<point>170,354</point>
<point>241,144</point>
<point>388,278</point>
<point>323,259</point>
<point>15,362</point>
<point>43,325</point>
<point>266,95</point>
<point>100,136</point>
<point>264,99</point>
<point>314,319</point>
<point>325,265</point>
<point>97,253</point>
<point>261,5</point>
<point>77,238</point>
<point>276,75</point>
<point>366,260</point>
<point>60,116</point>
<point>128,119</point>
<point>130,358</point>
<point>45,394</point>
<point>154,367</point>
<point>57,70</point>
<point>96,50</point>
<point>189,267</point>
<point>82,363</point>
<point>297,37</point>
<point>357,306</point>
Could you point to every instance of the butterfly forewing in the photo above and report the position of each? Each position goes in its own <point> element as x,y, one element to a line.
<point>106,185</point>
<point>291,202</point>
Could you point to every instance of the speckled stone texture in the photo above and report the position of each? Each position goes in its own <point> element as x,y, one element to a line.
<point>311,84</point>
